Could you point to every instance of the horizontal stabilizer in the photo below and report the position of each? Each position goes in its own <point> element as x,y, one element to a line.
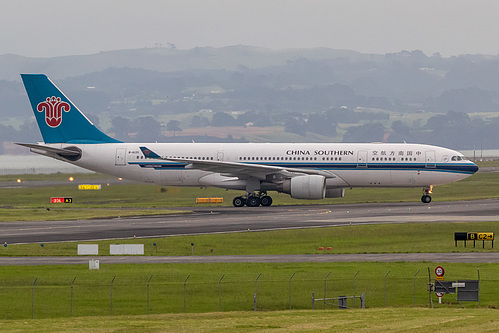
<point>71,154</point>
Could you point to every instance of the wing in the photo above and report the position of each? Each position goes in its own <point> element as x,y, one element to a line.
<point>241,170</point>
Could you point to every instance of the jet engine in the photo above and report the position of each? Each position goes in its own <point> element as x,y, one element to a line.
<point>305,187</point>
<point>335,193</point>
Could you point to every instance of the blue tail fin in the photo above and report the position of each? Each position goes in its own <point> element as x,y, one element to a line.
<point>58,118</point>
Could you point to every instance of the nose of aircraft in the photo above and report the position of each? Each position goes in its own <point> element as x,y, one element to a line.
<point>473,167</point>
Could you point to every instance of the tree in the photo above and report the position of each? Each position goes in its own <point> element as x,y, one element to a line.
<point>121,128</point>
<point>174,126</point>
<point>199,121</point>
<point>372,132</point>
<point>221,119</point>
<point>148,129</point>
<point>296,126</point>
<point>319,124</point>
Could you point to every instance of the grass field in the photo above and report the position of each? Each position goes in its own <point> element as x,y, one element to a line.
<point>371,320</point>
<point>21,204</point>
<point>377,238</point>
<point>127,289</point>
<point>202,290</point>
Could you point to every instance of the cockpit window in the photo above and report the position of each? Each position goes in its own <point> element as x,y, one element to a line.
<point>458,158</point>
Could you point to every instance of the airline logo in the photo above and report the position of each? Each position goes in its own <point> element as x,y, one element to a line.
<point>53,107</point>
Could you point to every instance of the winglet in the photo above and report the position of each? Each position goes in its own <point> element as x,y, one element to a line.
<point>148,153</point>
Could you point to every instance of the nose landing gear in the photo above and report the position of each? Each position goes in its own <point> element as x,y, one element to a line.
<point>426,198</point>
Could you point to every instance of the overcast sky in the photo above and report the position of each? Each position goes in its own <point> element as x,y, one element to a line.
<point>46,28</point>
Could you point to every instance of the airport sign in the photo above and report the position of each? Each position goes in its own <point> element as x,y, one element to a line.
<point>61,200</point>
<point>439,271</point>
<point>89,187</point>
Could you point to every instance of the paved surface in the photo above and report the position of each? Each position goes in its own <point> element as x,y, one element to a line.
<point>473,257</point>
<point>230,219</point>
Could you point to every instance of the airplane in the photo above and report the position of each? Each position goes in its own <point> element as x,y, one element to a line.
<point>303,170</point>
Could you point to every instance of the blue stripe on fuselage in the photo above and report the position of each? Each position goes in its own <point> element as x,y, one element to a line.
<point>451,168</point>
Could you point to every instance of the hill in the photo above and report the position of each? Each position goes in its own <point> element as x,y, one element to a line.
<point>315,94</point>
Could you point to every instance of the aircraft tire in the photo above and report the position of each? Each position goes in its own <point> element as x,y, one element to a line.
<point>238,202</point>
<point>266,201</point>
<point>253,202</point>
<point>426,199</point>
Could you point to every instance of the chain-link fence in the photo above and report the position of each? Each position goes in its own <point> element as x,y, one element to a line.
<point>120,295</point>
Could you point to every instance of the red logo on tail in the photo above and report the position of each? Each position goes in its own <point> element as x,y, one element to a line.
<point>53,110</point>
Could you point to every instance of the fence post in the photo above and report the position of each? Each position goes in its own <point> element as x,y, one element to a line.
<point>415,286</point>
<point>354,288</point>
<point>112,294</point>
<point>363,301</point>
<point>148,294</point>
<point>220,294</point>
<point>71,313</point>
<point>313,301</point>
<point>385,285</point>
<point>324,302</point>
<point>290,289</point>
<point>429,291</point>
<point>33,299</point>
<point>256,289</point>
<point>185,282</point>
<point>478,271</point>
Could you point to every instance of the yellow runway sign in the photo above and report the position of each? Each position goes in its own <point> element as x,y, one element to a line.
<point>89,187</point>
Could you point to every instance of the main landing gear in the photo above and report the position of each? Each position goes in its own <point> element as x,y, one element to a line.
<point>426,198</point>
<point>252,200</point>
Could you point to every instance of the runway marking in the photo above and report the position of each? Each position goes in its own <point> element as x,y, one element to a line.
<point>317,217</point>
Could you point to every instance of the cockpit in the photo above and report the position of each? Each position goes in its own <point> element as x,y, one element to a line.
<point>458,158</point>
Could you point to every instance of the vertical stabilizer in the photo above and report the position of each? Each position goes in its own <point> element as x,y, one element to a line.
<point>58,118</point>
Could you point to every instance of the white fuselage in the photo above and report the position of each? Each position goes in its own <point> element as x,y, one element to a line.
<point>354,165</point>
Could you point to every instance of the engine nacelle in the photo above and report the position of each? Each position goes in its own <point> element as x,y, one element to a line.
<point>305,187</point>
<point>335,193</point>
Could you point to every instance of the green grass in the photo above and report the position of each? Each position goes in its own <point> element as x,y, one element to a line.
<point>370,320</point>
<point>238,281</point>
<point>52,176</point>
<point>231,287</point>
<point>492,163</point>
<point>32,203</point>
<point>58,214</point>
<point>91,290</point>
<point>376,238</point>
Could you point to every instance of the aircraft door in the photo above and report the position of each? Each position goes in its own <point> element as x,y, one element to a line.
<point>362,159</point>
<point>430,160</point>
<point>220,156</point>
<point>120,158</point>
